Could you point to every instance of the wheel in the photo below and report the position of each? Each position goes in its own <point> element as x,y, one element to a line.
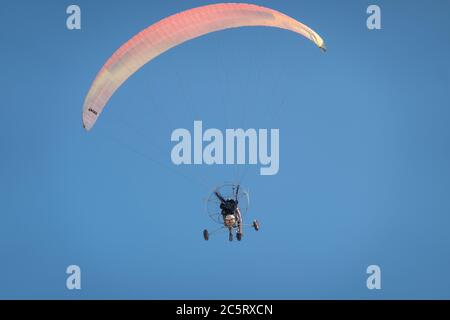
<point>206,235</point>
<point>230,237</point>
<point>239,236</point>
<point>256,224</point>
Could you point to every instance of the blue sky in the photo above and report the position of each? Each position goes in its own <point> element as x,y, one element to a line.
<point>364,153</point>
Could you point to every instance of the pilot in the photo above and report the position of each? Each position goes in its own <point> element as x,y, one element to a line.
<point>232,215</point>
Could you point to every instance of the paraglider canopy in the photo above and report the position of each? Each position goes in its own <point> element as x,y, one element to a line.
<point>174,30</point>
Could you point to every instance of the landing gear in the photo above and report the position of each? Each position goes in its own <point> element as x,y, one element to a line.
<point>230,236</point>
<point>239,236</point>
<point>206,235</point>
<point>256,225</point>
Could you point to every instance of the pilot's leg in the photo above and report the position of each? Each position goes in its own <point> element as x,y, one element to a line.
<point>239,221</point>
